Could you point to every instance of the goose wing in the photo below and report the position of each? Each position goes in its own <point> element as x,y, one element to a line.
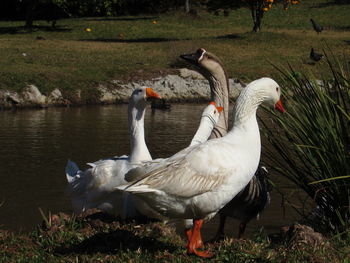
<point>189,173</point>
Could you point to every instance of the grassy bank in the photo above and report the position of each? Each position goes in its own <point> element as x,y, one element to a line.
<point>100,239</point>
<point>71,58</point>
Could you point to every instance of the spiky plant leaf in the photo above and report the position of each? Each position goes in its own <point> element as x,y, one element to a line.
<point>311,142</point>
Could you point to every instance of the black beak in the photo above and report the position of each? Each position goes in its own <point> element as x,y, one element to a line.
<point>191,58</point>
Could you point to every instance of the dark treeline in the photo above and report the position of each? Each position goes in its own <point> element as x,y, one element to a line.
<point>52,10</point>
<point>55,9</point>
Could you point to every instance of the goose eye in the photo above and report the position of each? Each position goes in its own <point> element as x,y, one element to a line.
<point>214,111</point>
<point>277,89</point>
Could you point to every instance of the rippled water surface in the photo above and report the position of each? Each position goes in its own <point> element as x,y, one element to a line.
<point>35,146</point>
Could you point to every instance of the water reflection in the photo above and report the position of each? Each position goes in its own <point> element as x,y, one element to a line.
<point>35,146</point>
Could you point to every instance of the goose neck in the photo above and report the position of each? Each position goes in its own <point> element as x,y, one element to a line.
<point>219,89</point>
<point>203,132</point>
<point>245,133</point>
<point>138,147</point>
<point>246,106</point>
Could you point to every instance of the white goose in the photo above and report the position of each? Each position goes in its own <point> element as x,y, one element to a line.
<point>92,188</point>
<point>199,180</point>
<point>210,117</point>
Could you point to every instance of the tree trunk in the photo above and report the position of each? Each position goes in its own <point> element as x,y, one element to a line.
<point>257,15</point>
<point>257,23</point>
<point>253,13</point>
<point>30,9</point>
<point>187,6</point>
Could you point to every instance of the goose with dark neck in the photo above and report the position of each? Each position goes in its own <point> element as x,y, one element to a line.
<point>211,67</point>
<point>248,204</point>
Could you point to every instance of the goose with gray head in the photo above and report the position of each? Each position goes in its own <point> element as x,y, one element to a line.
<point>211,67</point>
<point>93,187</point>
<point>199,180</point>
<point>213,70</point>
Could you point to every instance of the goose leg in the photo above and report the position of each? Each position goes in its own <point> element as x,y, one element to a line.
<point>220,233</point>
<point>188,232</point>
<point>241,229</point>
<point>196,239</point>
<point>199,242</point>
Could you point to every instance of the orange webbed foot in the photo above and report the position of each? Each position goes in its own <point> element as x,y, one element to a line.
<point>195,241</point>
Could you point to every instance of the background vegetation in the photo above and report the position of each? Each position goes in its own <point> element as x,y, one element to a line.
<point>69,56</point>
<point>311,143</point>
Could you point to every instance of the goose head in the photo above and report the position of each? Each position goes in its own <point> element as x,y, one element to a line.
<point>213,70</point>
<point>212,112</point>
<point>261,91</point>
<point>140,96</point>
<point>210,117</point>
<point>271,93</point>
<point>265,91</point>
<point>206,61</point>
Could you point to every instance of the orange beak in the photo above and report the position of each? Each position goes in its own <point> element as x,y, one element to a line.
<point>150,93</point>
<point>279,106</point>
<point>219,109</point>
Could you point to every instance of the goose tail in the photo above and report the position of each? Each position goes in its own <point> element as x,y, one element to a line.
<point>76,187</point>
<point>72,171</point>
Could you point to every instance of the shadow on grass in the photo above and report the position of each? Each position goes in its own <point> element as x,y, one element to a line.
<point>229,36</point>
<point>341,28</point>
<point>107,218</point>
<point>117,240</point>
<point>24,30</point>
<point>331,3</point>
<point>121,18</point>
<point>138,40</point>
<point>153,39</point>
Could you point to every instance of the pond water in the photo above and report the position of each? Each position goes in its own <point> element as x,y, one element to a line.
<point>35,146</point>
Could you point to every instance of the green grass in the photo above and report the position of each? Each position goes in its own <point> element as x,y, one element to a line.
<point>70,58</point>
<point>100,239</point>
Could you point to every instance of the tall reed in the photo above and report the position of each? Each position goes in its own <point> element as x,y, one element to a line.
<point>312,144</point>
